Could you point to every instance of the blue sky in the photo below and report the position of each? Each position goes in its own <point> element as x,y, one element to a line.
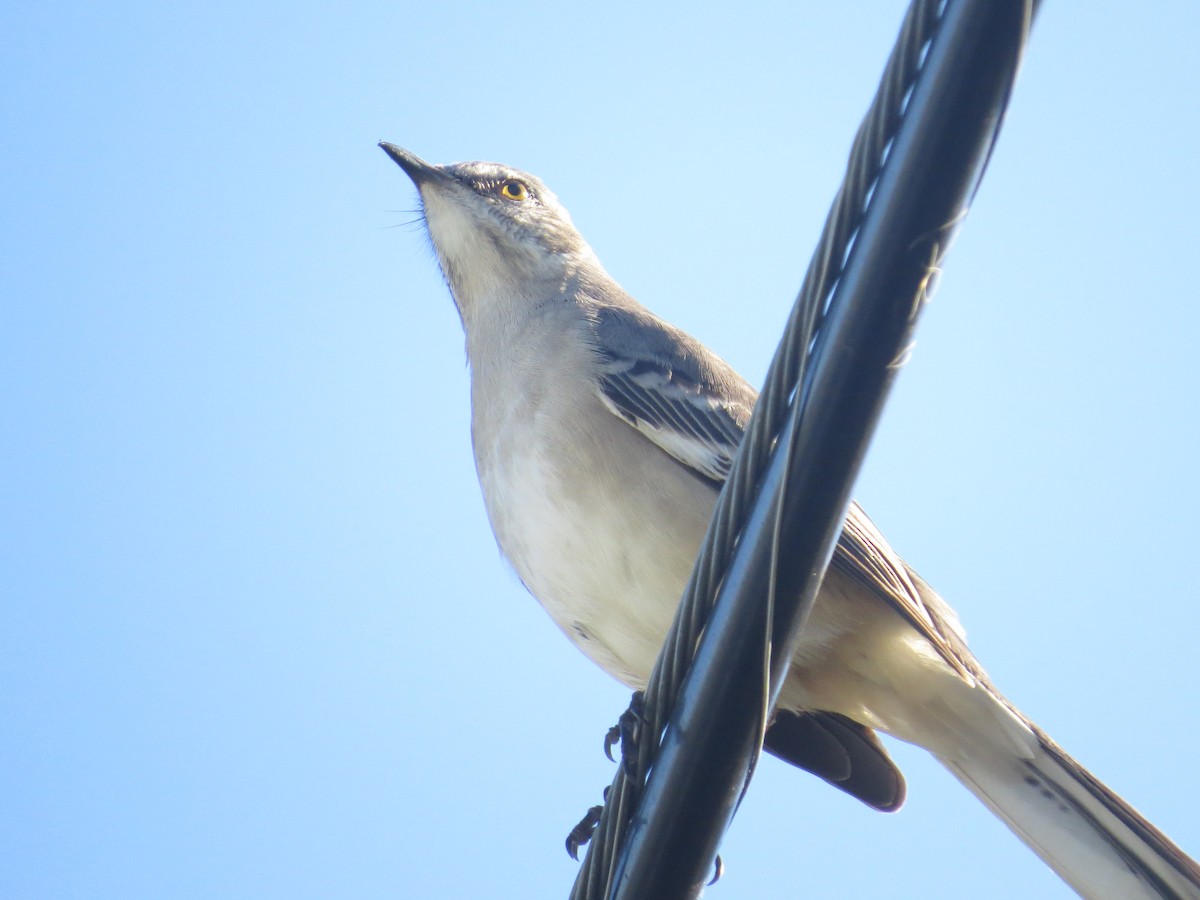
<point>256,640</point>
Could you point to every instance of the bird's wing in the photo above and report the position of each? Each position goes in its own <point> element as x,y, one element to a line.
<point>671,389</point>
<point>865,557</point>
<point>693,406</point>
<point>698,428</point>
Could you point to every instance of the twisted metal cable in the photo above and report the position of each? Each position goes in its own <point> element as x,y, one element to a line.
<point>780,393</point>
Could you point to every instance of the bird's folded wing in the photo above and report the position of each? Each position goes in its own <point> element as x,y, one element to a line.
<point>865,557</point>
<point>693,406</point>
<point>697,428</point>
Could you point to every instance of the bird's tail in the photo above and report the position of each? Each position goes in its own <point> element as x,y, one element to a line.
<point>1098,843</point>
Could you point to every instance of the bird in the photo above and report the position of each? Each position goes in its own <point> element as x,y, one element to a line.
<point>602,435</point>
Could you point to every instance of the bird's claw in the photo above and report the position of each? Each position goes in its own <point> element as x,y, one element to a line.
<point>718,871</point>
<point>625,731</point>
<point>610,741</point>
<point>582,833</point>
<point>629,728</point>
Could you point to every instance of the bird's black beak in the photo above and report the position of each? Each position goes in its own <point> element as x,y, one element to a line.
<point>415,167</point>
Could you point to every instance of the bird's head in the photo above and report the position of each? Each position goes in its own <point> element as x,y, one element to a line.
<point>497,231</point>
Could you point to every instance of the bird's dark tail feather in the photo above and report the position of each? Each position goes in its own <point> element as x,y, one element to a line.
<point>1098,843</point>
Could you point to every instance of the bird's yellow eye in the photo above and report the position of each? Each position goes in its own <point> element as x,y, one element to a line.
<point>514,190</point>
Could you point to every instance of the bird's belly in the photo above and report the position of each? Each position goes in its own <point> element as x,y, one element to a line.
<point>605,548</point>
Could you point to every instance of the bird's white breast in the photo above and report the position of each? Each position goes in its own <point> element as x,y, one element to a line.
<point>602,532</point>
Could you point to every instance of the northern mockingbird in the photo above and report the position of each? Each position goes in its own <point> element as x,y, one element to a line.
<point>602,435</point>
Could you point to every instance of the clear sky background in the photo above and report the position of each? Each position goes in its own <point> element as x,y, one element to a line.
<point>256,640</point>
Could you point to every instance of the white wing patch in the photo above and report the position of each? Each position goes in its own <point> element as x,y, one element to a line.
<point>677,414</point>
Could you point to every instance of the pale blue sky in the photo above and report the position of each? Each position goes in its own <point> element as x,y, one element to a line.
<point>255,637</point>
